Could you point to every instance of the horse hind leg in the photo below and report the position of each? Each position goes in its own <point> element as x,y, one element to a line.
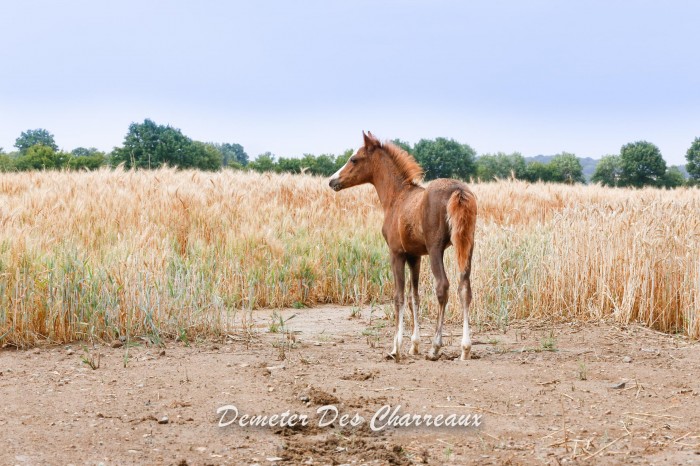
<point>414,303</point>
<point>462,210</point>
<point>442,287</point>
<point>465,299</point>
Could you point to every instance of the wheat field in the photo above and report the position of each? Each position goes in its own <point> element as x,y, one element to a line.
<point>167,253</point>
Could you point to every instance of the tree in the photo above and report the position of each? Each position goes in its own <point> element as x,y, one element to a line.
<point>445,158</point>
<point>308,163</point>
<point>538,171</point>
<point>33,137</point>
<point>289,165</point>
<point>205,156</point>
<point>403,145</point>
<point>642,164</point>
<point>608,171</point>
<point>263,163</point>
<point>673,178</point>
<point>86,159</point>
<point>323,165</point>
<point>566,168</point>
<point>232,154</point>
<point>90,162</point>
<point>342,159</point>
<point>148,145</point>
<point>7,164</point>
<point>84,152</point>
<point>693,158</point>
<point>41,157</point>
<point>500,166</point>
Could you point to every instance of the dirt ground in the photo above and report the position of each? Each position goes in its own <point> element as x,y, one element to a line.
<point>545,394</point>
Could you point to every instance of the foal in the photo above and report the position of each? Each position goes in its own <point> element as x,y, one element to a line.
<point>417,221</point>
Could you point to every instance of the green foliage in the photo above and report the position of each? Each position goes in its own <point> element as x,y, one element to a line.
<point>323,165</point>
<point>342,159</point>
<point>89,162</point>
<point>263,163</point>
<point>233,155</point>
<point>538,171</point>
<point>445,158</point>
<point>205,156</point>
<point>500,166</point>
<point>84,152</point>
<point>566,168</point>
<point>549,343</point>
<point>562,168</point>
<point>7,164</point>
<point>642,164</point>
<point>673,178</point>
<point>402,144</point>
<point>693,158</point>
<point>608,171</point>
<point>40,157</point>
<point>148,145</point>
<point>33,137</point>
<point>289,165</point>
<point>86,159</point>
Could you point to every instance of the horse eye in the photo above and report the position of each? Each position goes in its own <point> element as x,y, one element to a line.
<point>353,160</point>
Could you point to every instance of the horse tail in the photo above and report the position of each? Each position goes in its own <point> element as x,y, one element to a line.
<point>461,217</point>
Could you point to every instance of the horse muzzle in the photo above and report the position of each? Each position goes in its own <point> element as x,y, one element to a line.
<point>335,184</point>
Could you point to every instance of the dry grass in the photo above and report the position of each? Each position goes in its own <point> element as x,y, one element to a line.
<point>167,253</point>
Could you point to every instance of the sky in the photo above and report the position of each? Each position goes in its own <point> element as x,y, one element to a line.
<point>295,77</point>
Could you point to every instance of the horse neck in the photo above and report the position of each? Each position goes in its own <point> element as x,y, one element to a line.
<point>388,183</point>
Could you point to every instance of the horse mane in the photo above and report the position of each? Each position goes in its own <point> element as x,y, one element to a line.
<point>408,168</point>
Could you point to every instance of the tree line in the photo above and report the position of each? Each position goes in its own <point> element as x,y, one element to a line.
<point>148,145</point>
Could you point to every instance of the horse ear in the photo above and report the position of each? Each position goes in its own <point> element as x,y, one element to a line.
<point>370,141</point>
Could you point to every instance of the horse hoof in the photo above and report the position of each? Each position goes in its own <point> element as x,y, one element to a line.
<point>393,357</point>
<point>414,350</point>
<point>466,354</point>
<point>433,355</point>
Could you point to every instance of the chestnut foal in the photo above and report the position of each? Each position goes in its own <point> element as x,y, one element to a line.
<point>418,220</point>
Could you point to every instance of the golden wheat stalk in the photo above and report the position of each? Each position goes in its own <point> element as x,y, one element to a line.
<point>94,255</point>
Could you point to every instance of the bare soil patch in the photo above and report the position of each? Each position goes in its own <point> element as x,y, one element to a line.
<point>547,394</point>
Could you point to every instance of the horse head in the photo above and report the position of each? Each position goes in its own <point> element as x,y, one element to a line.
<point>359,168</point>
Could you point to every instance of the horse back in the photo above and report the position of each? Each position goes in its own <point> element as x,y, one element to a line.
<point>418,220</point>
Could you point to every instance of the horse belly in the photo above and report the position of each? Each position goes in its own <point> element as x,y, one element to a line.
<point>417,249</point>
<point>412,240</point>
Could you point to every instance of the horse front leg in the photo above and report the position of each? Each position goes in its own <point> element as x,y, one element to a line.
<point>442,288</point>
<point>398,266</point>
<point>414,304</point>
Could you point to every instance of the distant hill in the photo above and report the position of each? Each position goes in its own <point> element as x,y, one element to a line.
<point>587,163</point>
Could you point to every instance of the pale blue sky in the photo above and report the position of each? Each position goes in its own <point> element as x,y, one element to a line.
<point>293,77</point>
